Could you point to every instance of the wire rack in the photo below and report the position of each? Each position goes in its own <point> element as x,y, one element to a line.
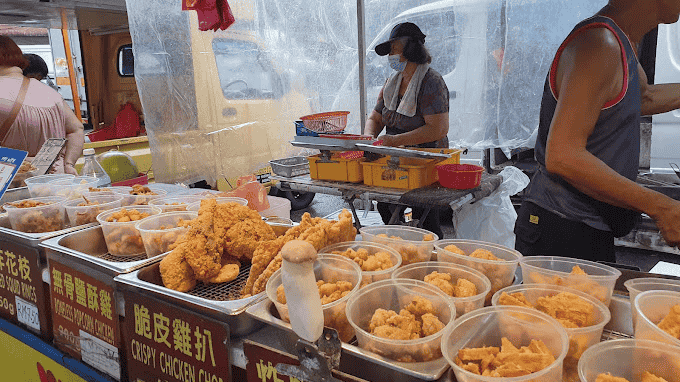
<point>122,259</point>
<point>612,335</point>
<point>224,291</point>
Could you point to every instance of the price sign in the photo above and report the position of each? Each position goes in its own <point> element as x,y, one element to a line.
<point>27,313</point>
<point>170,344</point>
<point>22,295</point>
<point>84,317</point>
<point>10,160</point>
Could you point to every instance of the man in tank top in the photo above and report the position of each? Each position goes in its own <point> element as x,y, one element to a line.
<point>584,193</point>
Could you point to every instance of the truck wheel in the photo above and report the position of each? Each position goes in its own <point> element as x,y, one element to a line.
<point>298,200</point>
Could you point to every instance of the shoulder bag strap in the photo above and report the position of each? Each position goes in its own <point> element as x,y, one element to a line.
<point>15,109</point>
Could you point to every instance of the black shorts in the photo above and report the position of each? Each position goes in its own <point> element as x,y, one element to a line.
<point>540,232</point>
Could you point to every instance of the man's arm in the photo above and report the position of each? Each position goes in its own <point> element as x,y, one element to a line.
<point>75,139</point>
<point>659,98</point>
<point>589,75</point>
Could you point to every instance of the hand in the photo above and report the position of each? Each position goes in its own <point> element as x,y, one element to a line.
<point>69,169</point>
<point>388,140</point>
<point>668,222</point>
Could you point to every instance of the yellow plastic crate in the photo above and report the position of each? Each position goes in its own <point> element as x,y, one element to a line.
<point>411,172</point>
<point>341,170</point>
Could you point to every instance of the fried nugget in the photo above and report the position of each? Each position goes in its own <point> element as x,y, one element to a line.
<point>649,377</point>
<point>516,298</point>
<point>454,249</point>
<point>228,272</point>
<point>671,323</point>
<point>176,273</point>
<point>609,378</point>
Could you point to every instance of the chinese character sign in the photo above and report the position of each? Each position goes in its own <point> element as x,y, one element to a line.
<point>167,343</point>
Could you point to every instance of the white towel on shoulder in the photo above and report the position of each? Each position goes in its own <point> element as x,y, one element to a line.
<point>409,101</point>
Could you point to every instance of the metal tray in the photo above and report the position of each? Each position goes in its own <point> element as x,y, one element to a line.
<point>218,301</point>
<point>87,246</point>
<point>354,358</point>
<point>401,152</point>
<point>290,167</point>
<point>14,194</point>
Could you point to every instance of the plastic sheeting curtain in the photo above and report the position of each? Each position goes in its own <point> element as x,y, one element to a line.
<point>222,104</point>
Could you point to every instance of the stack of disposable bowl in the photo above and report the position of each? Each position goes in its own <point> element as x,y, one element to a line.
<point>464,305</point>
<point>45,218</point>
<point>73,188</point>
<point>38,186</point>
<point>122,238</point>
<point>330,269</point>
<point>643,284</point>
<point>486,327</point>
<point>221,200</point>
<point>598,282</point>
<point>85,214</point>
<point>629,359</point>
<point>395,295</point>
<point>580,339</point>
<point>651,307</point>
<point>368,277</point>
<point>160,232</point>
<point>501,273</point>
<point>139,200</point>
<point>414,244</point>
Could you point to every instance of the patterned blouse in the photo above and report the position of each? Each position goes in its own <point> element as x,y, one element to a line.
<point>433,98</point>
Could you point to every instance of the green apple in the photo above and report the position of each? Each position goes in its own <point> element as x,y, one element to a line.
<point>118,165</point>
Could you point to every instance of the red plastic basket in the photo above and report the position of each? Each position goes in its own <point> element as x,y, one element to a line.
<point>332,121</point>
<point>460,176</point>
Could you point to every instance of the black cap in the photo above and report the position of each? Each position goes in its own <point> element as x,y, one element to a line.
<point>400,30</point>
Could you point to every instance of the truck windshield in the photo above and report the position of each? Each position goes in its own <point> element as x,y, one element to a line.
<point>243,71</point>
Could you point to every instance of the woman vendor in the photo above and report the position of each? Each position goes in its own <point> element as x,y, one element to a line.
<point>413,105</point>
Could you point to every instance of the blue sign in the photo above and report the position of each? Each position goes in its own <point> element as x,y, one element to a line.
<point>10,161</point>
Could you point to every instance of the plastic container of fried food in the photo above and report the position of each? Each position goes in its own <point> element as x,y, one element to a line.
<point>651,307</point>
<point>630,358</point>
<point>598,282</point>
<point>395,295</point>
<point>38,186</point>
<point>414,244</point>
<point>331,269</point>
<point>141,199</point>
<point>160,232</point>
<point>221,200</point>
<point>643,284</point>
<point>486,327</point>
<point>43,218</point>
<point>418,271</point>
<point>72,188</point>
<point>368,277</point>
<point>581,338</point>
<point>122,238</point>
<point>175,202</point>
<point>501,273</point>
<point>83,211</point>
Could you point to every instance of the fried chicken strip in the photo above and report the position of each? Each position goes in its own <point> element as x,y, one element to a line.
<point>175,271</point>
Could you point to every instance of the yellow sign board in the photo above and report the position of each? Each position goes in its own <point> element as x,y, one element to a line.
<point>20,362</point>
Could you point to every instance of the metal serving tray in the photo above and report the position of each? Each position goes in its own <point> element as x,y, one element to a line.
<point>14,194</point>
<point>219,301</point>
<point>33,239</point>
<point>290,167</point>
<point>87,246</point>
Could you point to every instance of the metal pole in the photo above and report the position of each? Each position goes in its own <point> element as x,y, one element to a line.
<point>69,63</point>
<point>362,62</point>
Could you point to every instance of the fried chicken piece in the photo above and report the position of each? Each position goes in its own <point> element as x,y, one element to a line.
<point>333,291</point>
<point>671,323</point>
<point>576,270</point>
<point>465,288</point>
<point>649,377</point>
<point>229,214</point>
<point>392,333</point>
<point>176,273</point>
<point>477,354</point>
<point>228,272</point>
<point>516,298</point>
<point>454,249</point>
<point>202,253</point>
<point>431,324</point>
<point>369,263</point>
<point>483,254</point>
<point>508,361</point>
<point>243,238</point>
<point>569,309</point>
<point>380,317</point>
<point>420,305</point>
<point>441,281</point>
<point>609,378</point>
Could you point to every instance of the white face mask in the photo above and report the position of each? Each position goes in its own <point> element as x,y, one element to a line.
<point>395,64</point>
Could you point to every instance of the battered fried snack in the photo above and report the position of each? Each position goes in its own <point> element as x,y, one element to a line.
<point>516,298</point>
<point>506,362</point>
<point>378,261</point>
<point>138,189</point>
<point>163,241</point>
<point>176,272</point>
<point>416,320</point>
<point>244,237</point>
<point>28,204</point>
<point>124,215</point>
<point>671,323</point>
<point>646,377</point>
<point>454,249</point>
<point>410,252</point>
<point>569,309</point>
<point>228,272</point>
<point>462,288</point>
<point>328,291</point>
<point>577,279</point>
<point>484,254</point>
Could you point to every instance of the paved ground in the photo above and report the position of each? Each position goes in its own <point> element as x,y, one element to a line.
<point>323,205</point>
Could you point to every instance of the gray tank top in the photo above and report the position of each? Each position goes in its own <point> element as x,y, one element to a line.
<point>615,139</point>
